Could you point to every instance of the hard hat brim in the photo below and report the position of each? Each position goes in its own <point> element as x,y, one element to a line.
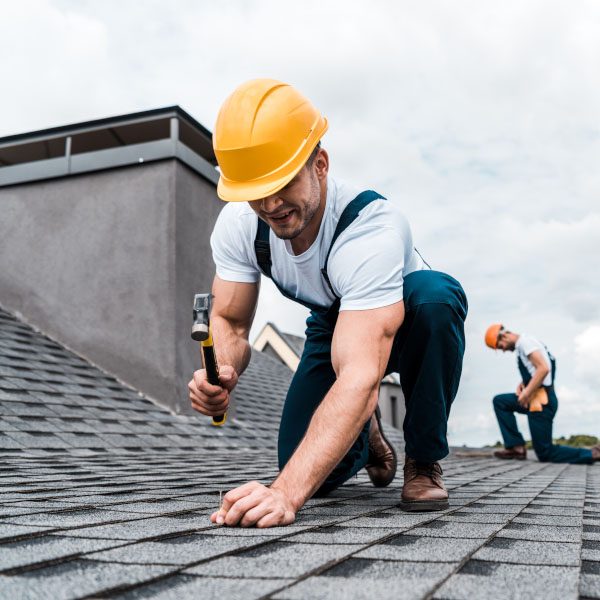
<point>257,189</point>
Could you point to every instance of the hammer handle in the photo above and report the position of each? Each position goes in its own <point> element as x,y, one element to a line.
<point>209,360</point>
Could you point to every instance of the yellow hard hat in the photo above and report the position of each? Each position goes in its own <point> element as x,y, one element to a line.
<point>265,133</point>
<point>491,335</point>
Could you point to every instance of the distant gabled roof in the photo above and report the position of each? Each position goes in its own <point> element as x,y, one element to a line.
<point>285,347</point>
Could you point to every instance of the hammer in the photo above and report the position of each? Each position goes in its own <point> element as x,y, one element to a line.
<point>201,333</point>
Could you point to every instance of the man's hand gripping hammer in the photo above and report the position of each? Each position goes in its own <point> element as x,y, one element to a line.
<point>201,333</point>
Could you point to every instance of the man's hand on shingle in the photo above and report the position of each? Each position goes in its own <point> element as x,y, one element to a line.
<point>255,505</point>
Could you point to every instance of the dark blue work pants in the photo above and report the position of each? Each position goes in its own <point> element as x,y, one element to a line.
<point>427,352</point>
<point>540,427</point>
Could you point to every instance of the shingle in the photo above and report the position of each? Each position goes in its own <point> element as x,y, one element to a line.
<point>491,509</point>
<point>7,442</point>
<point>456,530</point>
<point>13,511</point>
<point>541,533</point>
<point>276,559</point>
<point>190,587</point>
<point>508,550</point>
<point>162,507</point>
<point>394,520</point>
<point>142,527</point>
<point>9,531</point>
<point>75,579</point>
<point>337,534</point>
<point>558,511</point>
<point>464,516</point>
<point>589,586</point>
<point>590,550</point>
<point>408,547</point>
<point>181,550</point>
<point>551,520</point>
<point>271,532</point>
<point>338,509</point>
<point>362,579</point>
<point>42,549</point>
<point>70,518</point>
<point>29,440</point>
<point>482,581</point>
<point>558,502</point>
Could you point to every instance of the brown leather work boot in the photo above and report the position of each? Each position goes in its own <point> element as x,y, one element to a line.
<point>423,488</point>
<point>516,453</point>
<point>382,464</point>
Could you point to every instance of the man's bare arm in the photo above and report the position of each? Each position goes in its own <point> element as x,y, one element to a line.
<point>541,370</point>
<point>233,309</point>
<point>361,347</point>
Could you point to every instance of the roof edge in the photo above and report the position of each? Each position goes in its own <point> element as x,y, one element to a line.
<point>155,112</point>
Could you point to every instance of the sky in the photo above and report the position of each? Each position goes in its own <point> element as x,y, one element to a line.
<point>481,119</point>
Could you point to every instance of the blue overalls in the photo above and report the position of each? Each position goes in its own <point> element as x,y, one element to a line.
<point>427,352</point>
<point>540,423</point>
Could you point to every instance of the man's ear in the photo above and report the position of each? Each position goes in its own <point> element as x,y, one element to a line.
<point>321,163</point>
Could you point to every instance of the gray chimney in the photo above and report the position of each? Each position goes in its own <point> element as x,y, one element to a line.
<point>104,239</point>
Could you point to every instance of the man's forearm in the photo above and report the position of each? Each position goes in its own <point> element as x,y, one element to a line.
<point>535,382</point>
<point>333,429</point>
<point>231,346</point>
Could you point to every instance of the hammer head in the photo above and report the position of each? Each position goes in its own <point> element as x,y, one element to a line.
<point>201,317</point>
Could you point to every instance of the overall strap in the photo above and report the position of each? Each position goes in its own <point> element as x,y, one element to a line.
<point>525,374</point>
<point>262,248</point>
<point>552,364</point>
<point>347,218</point>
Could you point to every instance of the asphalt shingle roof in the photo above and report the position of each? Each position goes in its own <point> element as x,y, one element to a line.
<point>103,494</point>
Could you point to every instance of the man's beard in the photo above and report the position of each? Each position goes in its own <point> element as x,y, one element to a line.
<point>292,233</point>
<point>310,210</point>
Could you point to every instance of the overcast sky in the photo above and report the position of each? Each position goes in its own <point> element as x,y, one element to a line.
<point>481,119</point>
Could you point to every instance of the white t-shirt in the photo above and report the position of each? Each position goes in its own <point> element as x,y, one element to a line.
<point>525,346</point>
<point>366,267</point>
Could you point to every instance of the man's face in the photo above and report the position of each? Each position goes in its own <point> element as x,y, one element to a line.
<point>289,211</point>
<point>505,342</point>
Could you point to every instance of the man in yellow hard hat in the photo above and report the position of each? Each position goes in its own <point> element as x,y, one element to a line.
<point>535,397</point>
<point>347,254</point>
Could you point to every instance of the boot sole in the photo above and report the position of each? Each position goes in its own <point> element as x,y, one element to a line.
<point>423,505</point>
<point>510,457</point>
<point>387,481</point>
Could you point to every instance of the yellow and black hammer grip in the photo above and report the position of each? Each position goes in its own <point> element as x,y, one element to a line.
<point>209,360</point>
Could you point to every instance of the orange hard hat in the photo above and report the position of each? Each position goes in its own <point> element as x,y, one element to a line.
<point>265,132</point>
<point>491,335</point>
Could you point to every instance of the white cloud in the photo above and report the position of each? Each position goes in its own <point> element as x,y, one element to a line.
<point>587,357</point>
<point>480,118</point>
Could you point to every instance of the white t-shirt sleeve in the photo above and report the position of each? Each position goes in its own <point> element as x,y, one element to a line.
<point>233,255</point>
<point>366,263</point>
<point>529,345</point>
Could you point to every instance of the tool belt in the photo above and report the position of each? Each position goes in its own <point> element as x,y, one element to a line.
<point>538,400</point>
